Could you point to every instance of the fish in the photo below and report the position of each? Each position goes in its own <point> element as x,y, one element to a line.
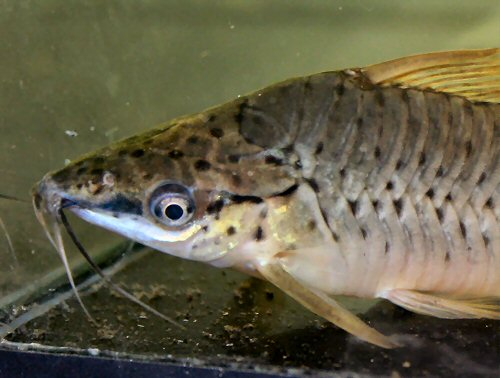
<point>373,182</point>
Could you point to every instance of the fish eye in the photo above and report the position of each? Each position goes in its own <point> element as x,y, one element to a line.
<point>172,204</point>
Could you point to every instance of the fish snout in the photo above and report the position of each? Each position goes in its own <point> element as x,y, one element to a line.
<point>48,197</point>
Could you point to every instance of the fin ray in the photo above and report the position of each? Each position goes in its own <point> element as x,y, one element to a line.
<point>324,306</point>
<point>474,74</point>
<point>433,305</point>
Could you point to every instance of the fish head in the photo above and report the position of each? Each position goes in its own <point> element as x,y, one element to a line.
<point>194,188</point>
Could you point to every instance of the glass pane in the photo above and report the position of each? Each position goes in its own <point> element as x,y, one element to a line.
<point>75,76</point>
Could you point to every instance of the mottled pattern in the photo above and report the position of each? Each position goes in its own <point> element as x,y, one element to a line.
<point>407,180</point>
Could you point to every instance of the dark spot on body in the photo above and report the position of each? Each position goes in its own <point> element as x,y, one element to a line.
<point>269,295</point>
<point>62,175</point>
<point>236,179</point>
<point>270,159</point>
<point>335,236</point>
<point>363,233</point>
<point>387,247</point>
<point>137,153</point>
<point>98,160</point>
<point>486,240</point>
<point>468,149</point>
<point>448,197</point>
<point>342,173</point>
<point>379,98</point>
<point>489,203</point>
<point>439,172</point>
<point>216,132</point>
<point>311,225</point>
<point>319,148</point>
<point>481,178</point>
<point>377,152</point>
<point>463,229</point>
<point>307,84</point>
<point>404,96</point>
<point>440,215</point>
<point>298,164</point>
<point>81,171</point>
<point>389,185</point>
<point>398,205</point>
<point>192,139</point>
<point>447,256</point>
<point>215,207</point>
<point>233,158</point>
<point>430,193</point>
<point>202,165</point>
<point>422,159</point>
<point>97,171</point>
<point>147,176</point>
<point>212,118</point>
<point>205,228</point>
<point>313,184</point>
<point>175,154</point>
<point>354,207</point>
<point>375,204</point>
<point>399,164</point>
<point>231,230</point>
<point>241,110</point>
<point>259,234</point>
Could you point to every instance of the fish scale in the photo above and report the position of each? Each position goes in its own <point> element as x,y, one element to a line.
<point>395,125</point>
<point>380,182</point>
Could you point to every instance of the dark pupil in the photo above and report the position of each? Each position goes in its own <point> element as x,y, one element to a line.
<point>174,212</point>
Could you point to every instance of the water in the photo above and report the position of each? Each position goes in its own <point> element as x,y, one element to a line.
<point>77,75</point>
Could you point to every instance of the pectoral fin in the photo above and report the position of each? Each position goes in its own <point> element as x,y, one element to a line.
<point>324,306</point>
<point>429,304</point>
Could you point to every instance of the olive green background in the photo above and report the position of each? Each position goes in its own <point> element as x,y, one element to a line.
<point>102,70</point>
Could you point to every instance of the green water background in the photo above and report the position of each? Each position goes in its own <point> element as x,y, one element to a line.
<point>102,70</point>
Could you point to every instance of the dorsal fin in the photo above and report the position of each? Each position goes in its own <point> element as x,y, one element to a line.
<point>474,74</point>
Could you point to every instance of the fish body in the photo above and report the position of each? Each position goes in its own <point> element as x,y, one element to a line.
<point>378,182</point>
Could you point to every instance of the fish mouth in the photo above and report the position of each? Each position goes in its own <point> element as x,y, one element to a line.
<point>49,203</point>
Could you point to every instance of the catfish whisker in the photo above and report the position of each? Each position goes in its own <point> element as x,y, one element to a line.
<point>53,232</point>
<point>59,245</point>
<point>99,271</point>
<point>12,198</point>
<point>9,241</point>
